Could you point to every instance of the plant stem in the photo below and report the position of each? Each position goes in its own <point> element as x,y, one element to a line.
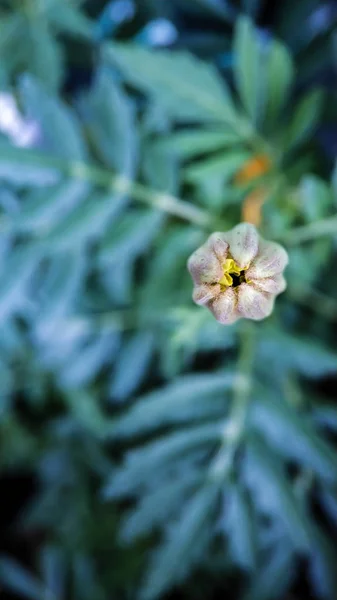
<point>121,184</point>
<point>235,425</point>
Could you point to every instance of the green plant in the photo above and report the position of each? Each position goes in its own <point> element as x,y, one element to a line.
<point>220,437</point>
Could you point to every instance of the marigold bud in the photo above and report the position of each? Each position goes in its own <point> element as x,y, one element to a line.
<point>238,274</point>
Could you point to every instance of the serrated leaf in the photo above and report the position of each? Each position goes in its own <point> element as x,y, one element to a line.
<point>132,365</point>
<point>187,87</point>
<point>185,544</point>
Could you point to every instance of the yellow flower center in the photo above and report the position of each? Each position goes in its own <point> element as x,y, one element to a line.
<point>230,268</point>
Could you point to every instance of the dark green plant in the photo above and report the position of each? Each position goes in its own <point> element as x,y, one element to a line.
<point>214,446</point>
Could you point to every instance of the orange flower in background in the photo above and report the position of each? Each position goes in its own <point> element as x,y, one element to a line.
<point>255,167</point>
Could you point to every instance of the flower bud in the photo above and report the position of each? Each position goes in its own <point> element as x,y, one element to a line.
<point>238,274</point>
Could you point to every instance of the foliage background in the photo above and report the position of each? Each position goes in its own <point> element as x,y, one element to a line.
<point>146,451</point>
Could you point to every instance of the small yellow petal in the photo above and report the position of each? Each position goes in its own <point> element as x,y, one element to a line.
<point>226,280</point>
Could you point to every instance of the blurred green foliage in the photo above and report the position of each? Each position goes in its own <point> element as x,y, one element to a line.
<point>163,449</point>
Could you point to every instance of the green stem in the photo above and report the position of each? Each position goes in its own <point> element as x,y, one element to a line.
<point>235,425</point>
<point>321,228</point>
<point>122,184</point>
<point>116,183</point>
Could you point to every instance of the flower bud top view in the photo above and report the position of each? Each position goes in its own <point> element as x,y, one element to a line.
<point>237,274</point>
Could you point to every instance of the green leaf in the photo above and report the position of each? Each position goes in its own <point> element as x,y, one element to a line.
<point>160,168</point>
<point>44,208</point>
<point>60,129</point>
<point>184,546</point>
<point>279,77</point>
<point>186,86</point>
<point>166,272</point>
<point>247,68</point>
<point>223,166</point>
<point>83,405</point>
<point>20,167</point>
<point>238,521</point>
<point>17,579</point>
<point>70,20</point>
<point>85,366</point>
<point>130,236</point>
<point>189,144</point>
<point>305,119</point>
<point>284,352</point>
<point>158,506</point>
<point>316,198</point>
<point>272,492</point>
<point>45,54</point>
<point>85,223</point>
<point>274,577</point>
<point>19,269</point>
<point>294,437</point>
<point>132,365</point>
<point>161,456</point>
<point>109,117</point>
<point>61,285</point>
<point>53,569</point>
<point>322,570</point>
<point>189,397</point>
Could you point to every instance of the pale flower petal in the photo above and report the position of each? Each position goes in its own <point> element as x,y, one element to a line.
<point>271,260</point>
<point>219,245</point>
<point>224,307</point>
<point>243,243</point>
<point>204,293</point>
<point>253,304</point>
<point>204,266</point>
<point>272,285</point>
